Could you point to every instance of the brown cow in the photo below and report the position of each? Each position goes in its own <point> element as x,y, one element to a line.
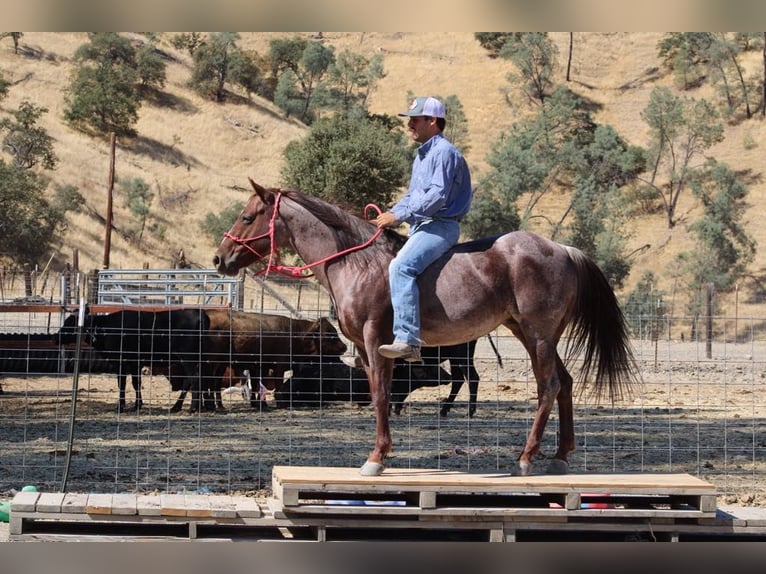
<point>265,345</point>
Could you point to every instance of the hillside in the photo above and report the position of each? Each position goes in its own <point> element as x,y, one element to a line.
<point>198,154</point>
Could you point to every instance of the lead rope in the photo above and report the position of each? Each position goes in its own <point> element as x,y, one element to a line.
<point>297,272</point>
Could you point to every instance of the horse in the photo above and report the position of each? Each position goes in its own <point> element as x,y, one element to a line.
<point>535,287</point>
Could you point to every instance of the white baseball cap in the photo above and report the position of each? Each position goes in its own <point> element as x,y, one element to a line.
<point>425,106</point>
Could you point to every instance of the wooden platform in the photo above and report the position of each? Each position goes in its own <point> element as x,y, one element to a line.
<point>440,492</point>
<point>326,504</point>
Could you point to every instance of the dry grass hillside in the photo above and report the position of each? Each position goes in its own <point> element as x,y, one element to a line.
<point>198,154</point>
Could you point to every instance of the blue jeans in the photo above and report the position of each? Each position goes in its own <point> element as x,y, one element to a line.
<point>428,241</point>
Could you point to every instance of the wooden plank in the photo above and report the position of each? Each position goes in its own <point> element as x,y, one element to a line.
<point>74,502</point>
<point>99,503</point>
<point>573,501</point>
<point>638,483</point>
<point>50,502</point>
<point>752,516</point>
<point>708,503</point>
<point>198,506</point>
<point>24,502</point>
<point>124,504</point>
<point>222,506</point>
<point>148,505</point>
<point>427,500</point>
<point>172,505</point>
<point>247,507</point>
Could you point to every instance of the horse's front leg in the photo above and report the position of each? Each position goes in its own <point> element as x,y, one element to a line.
<point>379,372</point>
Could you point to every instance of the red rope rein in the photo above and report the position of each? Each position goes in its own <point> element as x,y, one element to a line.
<point>296,272</point>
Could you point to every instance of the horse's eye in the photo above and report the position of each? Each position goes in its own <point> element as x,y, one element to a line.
<point>247,218</point>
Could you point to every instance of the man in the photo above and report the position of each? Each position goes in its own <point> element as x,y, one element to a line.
<point>439,195</point>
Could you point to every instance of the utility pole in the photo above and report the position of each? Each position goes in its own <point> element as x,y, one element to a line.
<point>110,193</point>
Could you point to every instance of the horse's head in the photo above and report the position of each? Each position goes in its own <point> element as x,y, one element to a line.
<point>250,238</point>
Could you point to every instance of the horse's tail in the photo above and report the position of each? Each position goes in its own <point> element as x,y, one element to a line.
<point>599,331</point>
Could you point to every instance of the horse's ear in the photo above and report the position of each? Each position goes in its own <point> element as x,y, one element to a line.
<point>265,194</point>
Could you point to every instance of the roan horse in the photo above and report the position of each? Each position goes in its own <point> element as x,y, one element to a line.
<point>535,287</point>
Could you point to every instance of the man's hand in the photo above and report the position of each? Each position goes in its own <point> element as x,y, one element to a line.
<point>386,219</point>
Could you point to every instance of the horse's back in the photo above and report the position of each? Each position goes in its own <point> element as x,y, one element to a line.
<point>517,277</point>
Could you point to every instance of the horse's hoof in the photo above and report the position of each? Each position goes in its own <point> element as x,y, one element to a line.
<point>558,466</point>
<point>371,469</point>
<point>525,468</point>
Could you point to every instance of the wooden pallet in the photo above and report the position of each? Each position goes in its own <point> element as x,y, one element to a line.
<point>54,513</point>
<point>422,492</point>
<point>319,504</point>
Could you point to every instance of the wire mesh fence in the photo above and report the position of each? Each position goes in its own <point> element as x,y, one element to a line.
<point>700,409</point>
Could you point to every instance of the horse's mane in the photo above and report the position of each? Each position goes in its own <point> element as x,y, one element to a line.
<point>350,230</point>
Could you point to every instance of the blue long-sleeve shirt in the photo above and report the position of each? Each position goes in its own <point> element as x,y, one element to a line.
<point>440,185</point>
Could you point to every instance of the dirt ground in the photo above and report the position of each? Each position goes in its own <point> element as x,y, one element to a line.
<point>706,417</point>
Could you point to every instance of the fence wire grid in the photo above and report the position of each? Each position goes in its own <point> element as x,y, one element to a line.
<point>700,410</point>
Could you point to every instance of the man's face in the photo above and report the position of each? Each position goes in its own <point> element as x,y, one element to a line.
<point>422,128</point>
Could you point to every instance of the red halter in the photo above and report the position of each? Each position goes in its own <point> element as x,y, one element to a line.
<point>289,270</point>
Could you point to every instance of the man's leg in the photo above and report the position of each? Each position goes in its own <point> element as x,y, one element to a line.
<point>428,242</point>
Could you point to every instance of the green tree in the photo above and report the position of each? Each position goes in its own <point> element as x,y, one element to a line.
<point>535,56</point>
<point>723,249</point>
<point>151,68</point>
<point>348,161</point>
<point>244,71</point>
<point>728,75</point>
<point>28,222</point>
<point>561,148</point>
<point>4,86</point>
<point>189,41</point>
<point>538,153</point>
<point>28,143</point>
<point>212,65</point>
<point>456,129</point>
<point>300,67</point>
<point>138,199</point>
<point>494,41</point>
<point>215,225</point>
<point>686,54</point>
<point>352,78</point>
<point>102,95</point>
<point>646,308</point>
<point>490,214</point>
<point>681,130</point>
<point>285,54</point>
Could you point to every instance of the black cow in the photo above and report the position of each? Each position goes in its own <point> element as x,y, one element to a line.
<point>313,384</point>
<point>130,340</point>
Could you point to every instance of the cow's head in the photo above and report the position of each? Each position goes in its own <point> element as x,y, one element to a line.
<point>322,338</point>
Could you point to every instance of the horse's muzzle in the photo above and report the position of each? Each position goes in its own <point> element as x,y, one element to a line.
<point>225,267</point>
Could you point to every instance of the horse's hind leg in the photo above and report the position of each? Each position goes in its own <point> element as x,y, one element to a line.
<point>560,464</point>
<point>544,364</point>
